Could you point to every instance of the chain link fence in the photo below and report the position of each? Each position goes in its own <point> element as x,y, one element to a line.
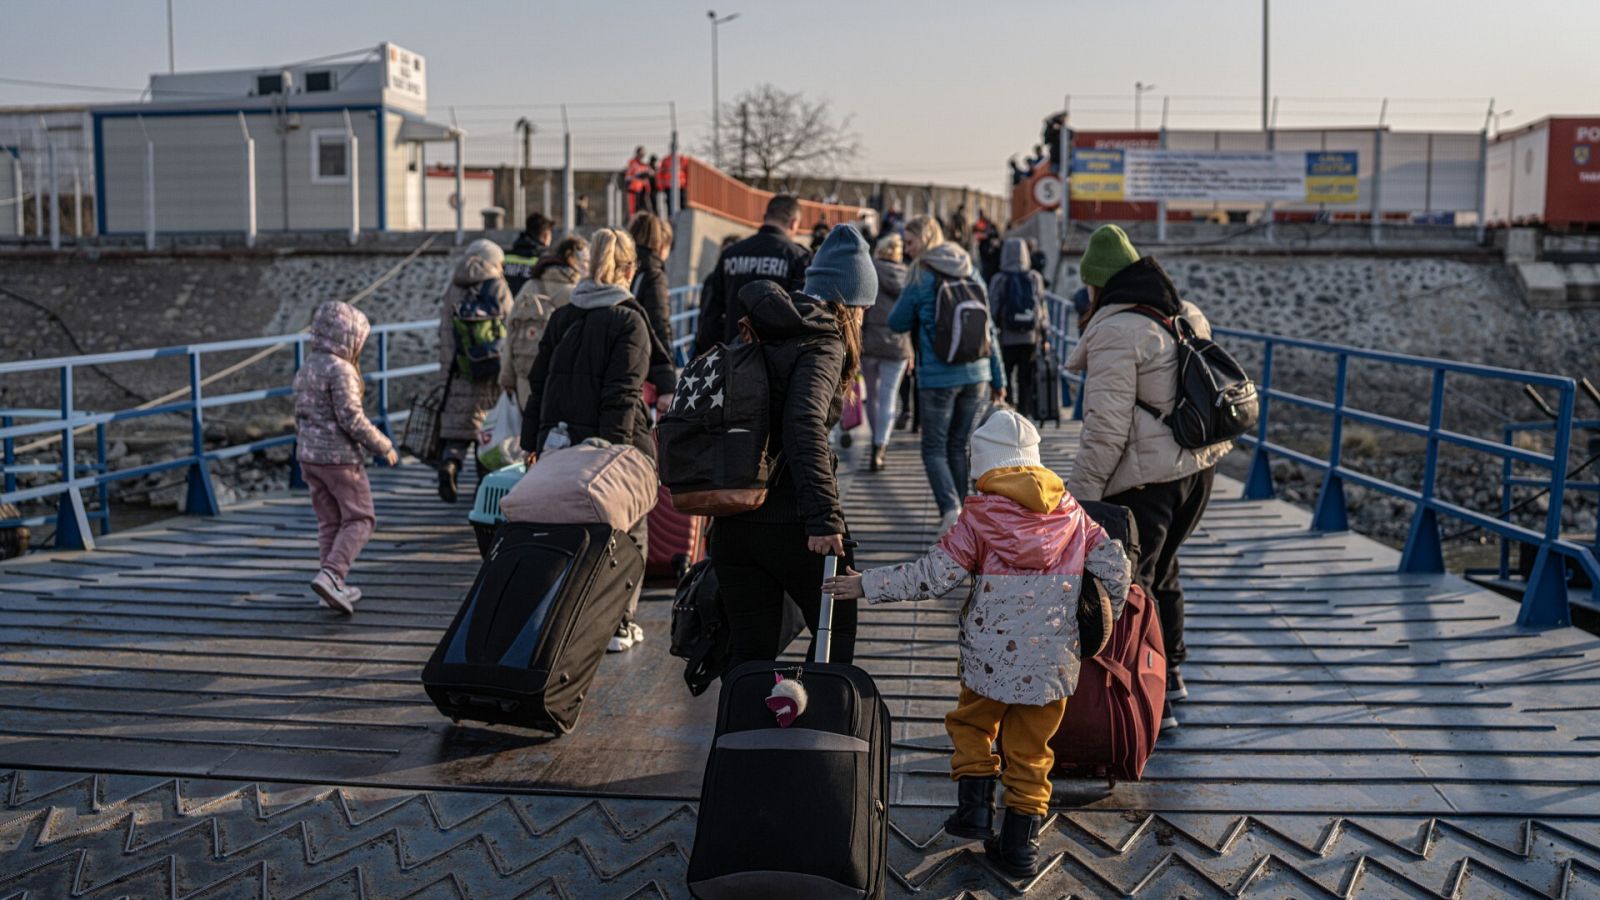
<point>46,174</point>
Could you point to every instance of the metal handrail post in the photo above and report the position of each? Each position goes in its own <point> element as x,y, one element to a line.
<point>8,452</point>
<point>1424,550</point>
<point>1545,603</point>
<point>1506,502</point>
<point>201,496</point>
<point>1332,512</point>
<point>1258,486</point>
<point>383,383</point>
<point>72,520</point>
<point>297,479</point>
<point>103,490</point>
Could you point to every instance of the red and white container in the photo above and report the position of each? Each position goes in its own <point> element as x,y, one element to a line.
<point>1546,173</point>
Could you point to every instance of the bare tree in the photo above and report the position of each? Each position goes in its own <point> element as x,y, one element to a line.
<point>770,134</point>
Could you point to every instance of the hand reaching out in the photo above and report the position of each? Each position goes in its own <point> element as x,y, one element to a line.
<point>844,587</point>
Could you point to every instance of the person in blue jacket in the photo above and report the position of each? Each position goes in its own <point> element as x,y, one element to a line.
<point>948,395</point>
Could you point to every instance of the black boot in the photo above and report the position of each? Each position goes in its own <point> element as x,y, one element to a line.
<point>1016,850</point>
<point>974,815</point>
<point>877,458</point>
<point>447,480</point>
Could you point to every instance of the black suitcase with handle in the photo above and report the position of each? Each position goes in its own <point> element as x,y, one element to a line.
<point>802,811</point>
<point>534,626</point>
<point>1044,400</point>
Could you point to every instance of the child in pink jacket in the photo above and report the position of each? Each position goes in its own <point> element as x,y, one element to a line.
<point>335,437</point>
<point>1027,544</point>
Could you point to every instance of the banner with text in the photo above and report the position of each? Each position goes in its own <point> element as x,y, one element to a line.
<point>1252,176</point>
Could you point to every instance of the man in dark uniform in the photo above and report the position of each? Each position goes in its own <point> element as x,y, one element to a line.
<point>526,250</point>
<point>768,255</point>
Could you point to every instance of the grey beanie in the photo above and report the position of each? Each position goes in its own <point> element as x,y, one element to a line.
<point>842,270</point>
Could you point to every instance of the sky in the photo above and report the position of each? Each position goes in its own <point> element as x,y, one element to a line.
<point>938,90</point>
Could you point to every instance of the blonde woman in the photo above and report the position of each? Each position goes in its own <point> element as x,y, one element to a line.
<point>589,375</point>
<point>948,393</point>
<point>885,355</point>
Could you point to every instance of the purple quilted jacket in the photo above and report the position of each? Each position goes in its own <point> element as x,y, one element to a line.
<point>332,428</point>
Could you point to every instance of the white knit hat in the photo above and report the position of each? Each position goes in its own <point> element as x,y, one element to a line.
<point>1005,440</point>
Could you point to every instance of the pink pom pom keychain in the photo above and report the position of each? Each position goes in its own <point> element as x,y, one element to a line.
<point>787,700</point>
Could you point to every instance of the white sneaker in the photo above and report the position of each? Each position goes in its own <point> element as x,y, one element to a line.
<point>622,640</point>
<point>635,632</point>
<point>351,594</point>
<point>334,595</point>
<point>948,521</point>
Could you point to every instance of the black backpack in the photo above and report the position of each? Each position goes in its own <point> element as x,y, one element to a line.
<point>714,457</point>
<point>1216,400</point>
<point>961,320</point>
<point>1017,306</point>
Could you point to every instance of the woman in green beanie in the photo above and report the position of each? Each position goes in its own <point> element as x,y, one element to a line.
<point>1128,455</point>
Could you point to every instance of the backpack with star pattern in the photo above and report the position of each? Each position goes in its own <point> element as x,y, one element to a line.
<point>713,441</point>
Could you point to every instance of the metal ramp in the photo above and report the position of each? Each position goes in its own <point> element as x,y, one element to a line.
<point>178,719</point>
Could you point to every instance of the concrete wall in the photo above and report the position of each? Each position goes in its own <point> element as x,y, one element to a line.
<point>696,240</point>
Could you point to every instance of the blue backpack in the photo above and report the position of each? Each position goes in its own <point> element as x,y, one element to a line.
<point>1017,303</point>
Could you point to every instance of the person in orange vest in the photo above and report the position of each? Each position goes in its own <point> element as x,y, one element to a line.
<point>664,178</point>
<point>638,177</point>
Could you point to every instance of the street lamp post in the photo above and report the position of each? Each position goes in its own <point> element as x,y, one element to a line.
<point>1139,90</point>
<point>716,100</point>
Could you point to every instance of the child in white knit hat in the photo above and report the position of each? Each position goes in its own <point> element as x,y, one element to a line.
<point>1027,544</point>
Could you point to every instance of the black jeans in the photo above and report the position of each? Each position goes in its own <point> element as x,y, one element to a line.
<point>1167,513</point>
<point>756,564</point>
<point>1018,362</point>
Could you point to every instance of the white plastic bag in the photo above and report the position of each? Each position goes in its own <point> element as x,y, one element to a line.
<point>500,437</point>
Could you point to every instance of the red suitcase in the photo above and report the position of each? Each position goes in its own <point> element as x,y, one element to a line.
<point>1114,716</point>
<point>676,540</point>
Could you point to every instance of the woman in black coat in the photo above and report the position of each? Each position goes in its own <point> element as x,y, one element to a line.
<point>594,359</point>
<point>812,343</point>
<point>652,236</point>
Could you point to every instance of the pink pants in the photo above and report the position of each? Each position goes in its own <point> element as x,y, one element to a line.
<point>343,501</point>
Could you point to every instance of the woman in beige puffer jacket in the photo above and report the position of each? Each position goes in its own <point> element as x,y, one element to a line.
<point>1128,455</point>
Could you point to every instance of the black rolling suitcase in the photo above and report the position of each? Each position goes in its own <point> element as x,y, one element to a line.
<point>1045,389</point>
<point>797,812</point>
<point>535,625</point>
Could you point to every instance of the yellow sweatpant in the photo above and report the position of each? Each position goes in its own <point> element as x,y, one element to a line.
<point>1024,733</point>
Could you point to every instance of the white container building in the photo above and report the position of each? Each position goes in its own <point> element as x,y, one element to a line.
<point>328,145</point>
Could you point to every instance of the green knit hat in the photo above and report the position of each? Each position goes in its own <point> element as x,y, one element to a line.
<point>1109,252</point>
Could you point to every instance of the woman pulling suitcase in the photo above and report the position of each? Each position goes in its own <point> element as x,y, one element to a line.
<point>588,379</point>
<point>812,343</point>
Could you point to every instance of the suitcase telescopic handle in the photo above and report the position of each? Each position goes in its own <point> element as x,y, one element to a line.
<point>830,568</point>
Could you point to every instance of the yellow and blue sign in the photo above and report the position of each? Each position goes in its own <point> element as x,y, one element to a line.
<point>1145,175</point>
<point>1331,177</point>
<point>1097,175</point>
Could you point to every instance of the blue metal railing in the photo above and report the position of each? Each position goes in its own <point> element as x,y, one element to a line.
<point>685,317</point>
<point>1510,481</point>
<point>1545,599</point>
<point>64,425</point>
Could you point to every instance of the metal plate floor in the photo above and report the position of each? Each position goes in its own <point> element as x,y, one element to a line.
<point>177,719</point>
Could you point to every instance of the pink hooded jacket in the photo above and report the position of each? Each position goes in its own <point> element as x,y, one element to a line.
<point>1019,628</point>
<point>330,424</point>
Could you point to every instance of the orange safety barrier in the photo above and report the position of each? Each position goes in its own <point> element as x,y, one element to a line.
<point>711,190</point>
